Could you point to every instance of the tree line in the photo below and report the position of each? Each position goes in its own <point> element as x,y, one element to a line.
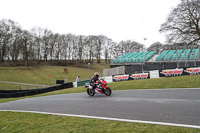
<point>181,27</point>
<point>43,45</point>
<point>183,23</point>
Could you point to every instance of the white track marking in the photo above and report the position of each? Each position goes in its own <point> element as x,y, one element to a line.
<point>107,118</point>
<point>160,89</point>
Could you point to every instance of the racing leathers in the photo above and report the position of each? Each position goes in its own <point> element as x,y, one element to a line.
<point>93,81</point>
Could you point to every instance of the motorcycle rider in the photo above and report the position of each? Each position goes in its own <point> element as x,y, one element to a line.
<point>94,79</point>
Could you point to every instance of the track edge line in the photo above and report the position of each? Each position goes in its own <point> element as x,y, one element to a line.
<point>108,118</point>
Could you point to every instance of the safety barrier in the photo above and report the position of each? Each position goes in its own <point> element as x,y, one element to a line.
<point>22,93</point>
<point>158,74</point>
<point>126,77</point>
<point>180,72</point>
<point>82,83</point>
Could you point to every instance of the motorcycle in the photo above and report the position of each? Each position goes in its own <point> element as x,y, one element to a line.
<point>101,87</point>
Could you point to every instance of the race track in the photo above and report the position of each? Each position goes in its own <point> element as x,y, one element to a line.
<point>177,106</point>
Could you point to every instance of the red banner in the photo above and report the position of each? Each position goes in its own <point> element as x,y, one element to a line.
<point>192,71</point>
<point>121,77</point>
<point>172,72</point>
<point>140,76</point>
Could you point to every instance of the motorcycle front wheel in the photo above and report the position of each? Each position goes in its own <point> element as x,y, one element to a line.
<point>108,91</point>
<point>90,92</point>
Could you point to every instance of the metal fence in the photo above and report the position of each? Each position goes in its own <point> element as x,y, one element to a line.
<point>82,83</point>
<point>114,71</point>
<point>21,93</point>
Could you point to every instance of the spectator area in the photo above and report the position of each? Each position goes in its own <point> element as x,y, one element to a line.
<point>166,55</point>
<point>181,54</point>
<point>136,57</point>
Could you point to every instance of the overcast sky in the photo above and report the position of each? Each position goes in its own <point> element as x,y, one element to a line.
<point>116,19</point>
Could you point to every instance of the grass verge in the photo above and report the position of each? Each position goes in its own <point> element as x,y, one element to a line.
<point>170,82</point>
<point>9,86</point>
<point>29,122</point>
<point>64,91</point>
<point>39,75</point>
<point>11,122</point>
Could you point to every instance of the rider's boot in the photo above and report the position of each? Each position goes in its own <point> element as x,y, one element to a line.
<point>102,89</point>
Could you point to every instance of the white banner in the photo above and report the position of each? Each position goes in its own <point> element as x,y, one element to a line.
<point>139,76</point>
<point>172,72</point>
<point>192,71</point>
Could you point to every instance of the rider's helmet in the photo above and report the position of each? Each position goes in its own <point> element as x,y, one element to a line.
<point>96,74</point>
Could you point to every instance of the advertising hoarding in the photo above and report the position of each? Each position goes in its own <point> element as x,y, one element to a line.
<point>192,71</point>
<point>139,76</point>
<point>172,72</point>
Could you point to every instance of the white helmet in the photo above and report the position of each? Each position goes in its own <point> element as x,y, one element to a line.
<point>96,74</point>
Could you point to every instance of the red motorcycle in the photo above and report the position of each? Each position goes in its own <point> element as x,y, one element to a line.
<point>101,87</point>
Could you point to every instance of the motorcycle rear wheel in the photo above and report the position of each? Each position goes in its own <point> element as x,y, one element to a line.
<point>90,92</point>
<point>108,91</point>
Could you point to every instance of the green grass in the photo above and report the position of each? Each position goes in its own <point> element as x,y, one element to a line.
<point>29,122</point>
<point>64,91</point>
<point>11,122</point>
<point>8,86</point>
<point>39,75</point>
<point>170,82</point>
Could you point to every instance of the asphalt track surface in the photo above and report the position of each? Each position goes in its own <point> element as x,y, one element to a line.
<point>178,106</point>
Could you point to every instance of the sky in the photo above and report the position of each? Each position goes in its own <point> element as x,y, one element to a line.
<point>116,19</point>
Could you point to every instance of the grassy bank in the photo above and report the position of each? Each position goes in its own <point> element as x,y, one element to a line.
<point>170,82</point>
<point>8,86</point>
<point>39,75</point>
<point>28,122</point>
<point>31,123</point>
<point>64,91</point>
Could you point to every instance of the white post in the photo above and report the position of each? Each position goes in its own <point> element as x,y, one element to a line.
<point>89,70</point>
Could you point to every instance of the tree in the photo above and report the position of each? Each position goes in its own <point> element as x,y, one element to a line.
<point>91,47</point>
<point>37,34</point>
<point>69,44</point>
<point>155,47</point>
<point>42,44</point>
<point>17,45</point>
<point>98,46</point>
<point>26,41</point>
<point>107,50</point>
<point>59,39</point>
<point>46,43</point>
<point>128,46</point>
<point>183,23</point>
<point>81,44</point>
<point>7,28</point>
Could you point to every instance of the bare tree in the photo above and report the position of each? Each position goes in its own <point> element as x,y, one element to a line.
<point>91,47</point>
<point>81,44</point>
<point>99,43</point>
<point>155,47</point>
<point>42,44</point>
<point>7,29</point>
<point>26,41</point>
<point>107,49</point>
<point>128,46</point>
<point>69,43</point>
<point>46,43</point>
<point>37,34</point>
<point>15,44</point>
<point>183,23</point>
<point>59,39</point>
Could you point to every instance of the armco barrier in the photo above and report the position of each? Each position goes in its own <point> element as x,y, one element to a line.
<point>21,93</point>
<point>82,83</point>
